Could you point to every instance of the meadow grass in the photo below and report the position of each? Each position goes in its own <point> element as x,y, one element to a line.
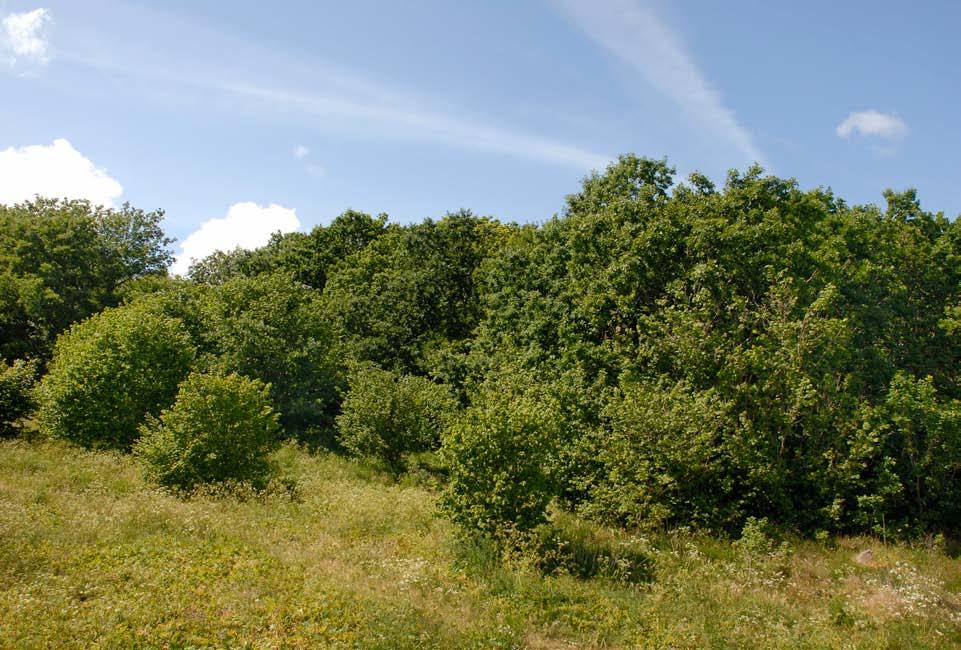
<point>91,556</point>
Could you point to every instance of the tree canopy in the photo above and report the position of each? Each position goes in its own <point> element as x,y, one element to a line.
<point>660,353</point>
<point>61,261</point>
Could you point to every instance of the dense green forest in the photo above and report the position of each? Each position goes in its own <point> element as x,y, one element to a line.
<point>660,354</point>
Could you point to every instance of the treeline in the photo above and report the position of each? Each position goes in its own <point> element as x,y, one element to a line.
<point>659,354</point>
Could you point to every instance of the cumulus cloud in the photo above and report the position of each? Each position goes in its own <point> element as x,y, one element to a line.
<point>24,38</point>
<point>301,151</point>
<point>247,225</point>
<point>872,123</point>
<point>56,171</point>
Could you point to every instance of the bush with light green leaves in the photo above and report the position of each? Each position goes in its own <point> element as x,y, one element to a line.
<point>220,429</point>
<point>498,455</point>
<point>16,399</point>
<point>109,372</point>
<point>386,416</point>
<point>274,329</point>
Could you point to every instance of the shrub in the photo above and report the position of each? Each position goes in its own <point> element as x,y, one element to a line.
<point>272,328</point>
<point>386,416</point>
<point>16,400</point>
<point>565,546</point>
<point>902,472</point>
<point>755,536</point>
<point>221,428</point>
<point>111,370</point>
<point>497,453</point>
<point>666,459</point>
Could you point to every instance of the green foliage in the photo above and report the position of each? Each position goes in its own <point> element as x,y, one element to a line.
<point>411,289</point>
<point>498,453</point>
<point>110,371</point>
<point>309,258</point>
<point>710,353</point>
<point>16,397</point>
<point>667,458</point>
<point>326,248</point>
<point>569,547</point>
<point>61,261</point>
<point>221,428</point>
<point>903,466</point>
<point>386,416</point>
<point>271,328</point>
<point>755,536</point>
<point>754,332</point>
<point>268,327</point>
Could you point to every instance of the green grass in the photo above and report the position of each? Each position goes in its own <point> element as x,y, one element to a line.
<point>91,556</point>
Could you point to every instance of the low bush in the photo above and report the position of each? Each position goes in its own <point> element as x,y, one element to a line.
<point>666,459</point>
<point>580,551</point>
<point>220,429</point>
<point>111,370</point>
<point>386,416</point>
<point>16,399</point>
<point>903,468</point>
<point>497,453</point>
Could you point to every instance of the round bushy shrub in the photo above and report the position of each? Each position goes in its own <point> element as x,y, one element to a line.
<point>16,400</point>
<point>111,370</point>
<point>386,416</point>
<point>497,454</point>
<point>221,428</point>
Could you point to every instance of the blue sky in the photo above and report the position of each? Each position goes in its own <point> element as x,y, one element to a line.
<point>244,117</point>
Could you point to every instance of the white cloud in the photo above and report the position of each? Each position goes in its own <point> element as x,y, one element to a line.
<point>24,36</point>
<point>872,123</point>
<point>411,122</point>
<point>352,104</point>
<point>313,169</point>
<point>56,171</point>
<point>247,225</point>
<point>633,33</point>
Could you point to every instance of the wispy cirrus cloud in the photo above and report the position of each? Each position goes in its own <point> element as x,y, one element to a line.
<point>23,37</point>
<point>408,121</point>
<point>385,113</point>
<point>634,33</point>
<point>872,123</point>
<point>312,92</point>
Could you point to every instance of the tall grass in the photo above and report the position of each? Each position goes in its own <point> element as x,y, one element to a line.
<point>91,556</point>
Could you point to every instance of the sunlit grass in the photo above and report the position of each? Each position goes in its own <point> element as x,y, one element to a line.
<point>91,556</point>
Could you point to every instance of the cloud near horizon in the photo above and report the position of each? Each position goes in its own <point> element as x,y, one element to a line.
<point>246,225</point>
<point>23,37</point>
<point>872,123</point>
<point>54,171</point>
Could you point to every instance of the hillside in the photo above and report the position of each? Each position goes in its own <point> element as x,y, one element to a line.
<point>91,556</point>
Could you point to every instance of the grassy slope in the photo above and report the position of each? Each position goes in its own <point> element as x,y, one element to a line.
<point>92,557</point>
